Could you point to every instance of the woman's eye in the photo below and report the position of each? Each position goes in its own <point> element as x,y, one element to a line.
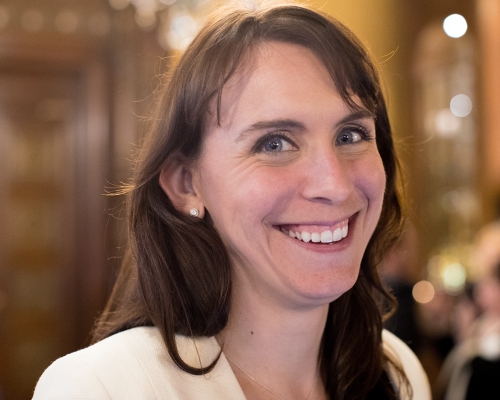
<point>275,144</point>
<point>349,137</point>
<point>352,135</point>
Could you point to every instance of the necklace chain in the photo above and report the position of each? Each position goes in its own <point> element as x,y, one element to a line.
<point>268,388</point>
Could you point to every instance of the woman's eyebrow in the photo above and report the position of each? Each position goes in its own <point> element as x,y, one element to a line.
<point>361,113</point>
<point>272,124</point>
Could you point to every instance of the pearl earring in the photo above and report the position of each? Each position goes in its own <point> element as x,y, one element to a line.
<point>194,212</point>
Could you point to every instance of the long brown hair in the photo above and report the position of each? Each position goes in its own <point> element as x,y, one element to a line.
<point>178,275</point>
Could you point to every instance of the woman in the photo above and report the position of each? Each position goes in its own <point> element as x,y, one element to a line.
<point>262,201</point>
<point>471,370</point>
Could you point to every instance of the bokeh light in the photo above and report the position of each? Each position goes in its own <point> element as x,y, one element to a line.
<point>446,123</point>
<point>454,278</point>
<point>179,29</point>
<point>455,25</point>
<point>145,18</point>
<point>119,4</point>
<point>423,292</point>
<point>461,105</point>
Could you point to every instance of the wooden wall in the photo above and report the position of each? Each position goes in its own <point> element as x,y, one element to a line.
<point>488,23</point>
<point>70,101</point>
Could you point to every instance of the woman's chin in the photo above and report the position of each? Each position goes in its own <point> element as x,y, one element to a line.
<point>310,293</point>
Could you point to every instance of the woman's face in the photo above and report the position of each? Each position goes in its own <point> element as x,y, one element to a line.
<point>292,178</point>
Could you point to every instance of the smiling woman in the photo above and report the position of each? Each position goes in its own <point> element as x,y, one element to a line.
<point>261,204</point>
<point>309,163</point>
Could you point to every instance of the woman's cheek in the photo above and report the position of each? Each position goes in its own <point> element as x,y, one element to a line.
<point>370,176</point>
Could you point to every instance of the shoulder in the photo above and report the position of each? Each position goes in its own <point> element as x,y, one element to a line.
<point>401,353</point>
<point>99,371</point>
<point>135,364</point>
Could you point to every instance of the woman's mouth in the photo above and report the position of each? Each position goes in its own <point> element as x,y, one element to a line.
<point>317,233</point>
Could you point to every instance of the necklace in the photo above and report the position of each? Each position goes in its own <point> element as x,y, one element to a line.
<point>268,388</point>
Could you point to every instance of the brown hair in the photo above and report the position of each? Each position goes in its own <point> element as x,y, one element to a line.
<point>178,278</point>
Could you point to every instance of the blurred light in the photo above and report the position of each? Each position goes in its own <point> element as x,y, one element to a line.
<point>489,347</point>
<point>454,277</point>
<point>119,4</point>
<point>168,2</point>
<point>66,21</point>
<point>433,266</point>
<point>4,16</point>
<point>180,30</point>
<point>99,24</point>
<point>446,123</point>
<point>461,105</point>
<point>460,201</point>
<point>423,292</point>
<point>455,25</point>
<point>145,18</point>
<point>32,20</point>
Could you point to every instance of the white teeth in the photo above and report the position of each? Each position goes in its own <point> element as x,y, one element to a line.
<point>337,234</point>
<point>326,237</point>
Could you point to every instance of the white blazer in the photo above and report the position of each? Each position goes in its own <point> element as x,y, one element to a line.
<point>135,365</point>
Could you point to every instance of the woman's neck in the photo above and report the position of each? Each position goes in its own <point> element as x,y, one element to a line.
<point>275,346</point>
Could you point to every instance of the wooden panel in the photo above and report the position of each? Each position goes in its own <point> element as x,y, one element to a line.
<point>39,223</point>
<point>489,34</point>
<point>54,160</point>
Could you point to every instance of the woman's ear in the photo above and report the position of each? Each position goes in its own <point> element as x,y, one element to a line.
<point>176,180</point>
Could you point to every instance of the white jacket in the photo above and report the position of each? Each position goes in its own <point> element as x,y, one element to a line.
<point>135,365</point>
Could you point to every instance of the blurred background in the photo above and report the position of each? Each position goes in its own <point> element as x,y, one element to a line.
<point>76,87</point>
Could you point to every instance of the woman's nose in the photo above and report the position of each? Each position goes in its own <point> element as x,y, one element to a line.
<point>327,177</point>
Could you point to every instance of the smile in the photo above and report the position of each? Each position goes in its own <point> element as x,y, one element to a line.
<point>317,233</point>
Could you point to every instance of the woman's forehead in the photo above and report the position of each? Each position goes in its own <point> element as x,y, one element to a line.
<point>273,73</point>
<point>266,70</point>
<point>280,82</point>
<point>275,54</point>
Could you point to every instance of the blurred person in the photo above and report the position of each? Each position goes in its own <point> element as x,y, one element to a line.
<point>487,251</point>
<point>472,370</point>
<point>262,202</point>
<point>434,320</point>
<point>464,314</point>
<point>398,271</point>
